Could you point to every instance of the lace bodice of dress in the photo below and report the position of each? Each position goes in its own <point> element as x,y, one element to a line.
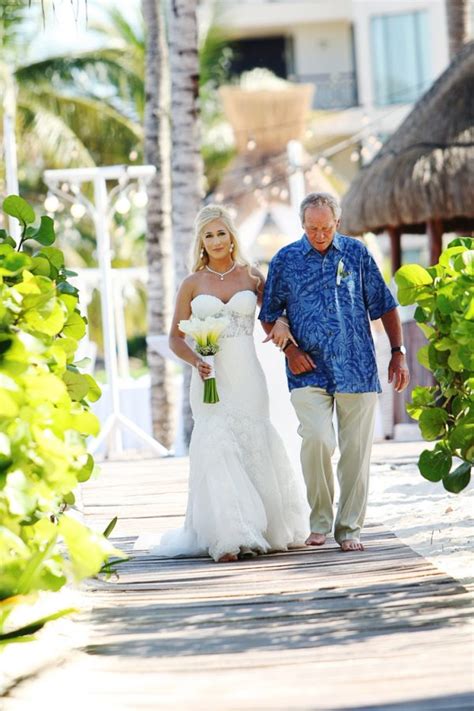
<point>240,310</point>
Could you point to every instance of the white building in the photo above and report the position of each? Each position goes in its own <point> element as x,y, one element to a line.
<point>369,58</point>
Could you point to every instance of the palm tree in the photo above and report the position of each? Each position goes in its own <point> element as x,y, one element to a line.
<point>159,246</point>
<point>457,15</point>
<point>186,161</point>
<point>59,105</point>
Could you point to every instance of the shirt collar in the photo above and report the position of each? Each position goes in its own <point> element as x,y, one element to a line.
<point>306,245</point>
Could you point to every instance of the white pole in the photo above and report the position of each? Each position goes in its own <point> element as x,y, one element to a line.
<point>296,179</point>
<point>107,307</point>
<point>122,347</point>
<point>9,147</point>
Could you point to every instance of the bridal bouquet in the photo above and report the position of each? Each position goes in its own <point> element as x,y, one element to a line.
<point>206,333</point>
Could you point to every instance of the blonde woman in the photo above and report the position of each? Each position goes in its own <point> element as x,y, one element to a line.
<point>244,497</point>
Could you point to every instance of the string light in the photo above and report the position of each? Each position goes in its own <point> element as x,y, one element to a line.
<point>372,140</point>
<point>51,203</point>
<point>247,179</point>
<point>355,156</point>
<point>284,194</point>
<point>219,197</point>
<point>78,210</point>
<point>133,155</point>
<point>122,206</point>
<point>322,161</point>
<point>140,198</point>
<point>65,187</point>
<point>328,169</point>
<point>251,144</point>
<point>267,179</point>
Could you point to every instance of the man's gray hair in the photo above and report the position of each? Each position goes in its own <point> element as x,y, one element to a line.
<point>320,200</point>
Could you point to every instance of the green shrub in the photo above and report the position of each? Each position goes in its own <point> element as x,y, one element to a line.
<point>44,417</point>
<point>445,313</point>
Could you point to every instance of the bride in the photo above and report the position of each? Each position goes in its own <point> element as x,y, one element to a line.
<point>244,497</point>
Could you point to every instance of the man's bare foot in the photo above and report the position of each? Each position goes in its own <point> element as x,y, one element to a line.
<point>351,544</point>
<point>315,539</point>
<point>228,558</point>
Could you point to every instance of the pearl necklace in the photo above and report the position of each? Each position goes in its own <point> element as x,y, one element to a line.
<point>221,275</point>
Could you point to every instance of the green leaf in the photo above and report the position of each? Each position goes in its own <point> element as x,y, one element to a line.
<point>45,232</point>
<point>75,326</point>
<point>84,474</point>
<point>77,385</point>
<point>411,280</point>
<point>53,255</point>
<point>94,392</point>
<point>458,479</point>
<point>422,315</point>
<point>433,423</point>
<point>86,423</point>
<point>447,256</point>
<point>435,464</point>
<point>461,438</point>
<point>15,206</point>
<point>110,527</point>
<point>40,266</point>
<point>465,262</point>
<point>15,263</point>
<point>423,357</point>
<point>466,357</point>
<point>87,550</point>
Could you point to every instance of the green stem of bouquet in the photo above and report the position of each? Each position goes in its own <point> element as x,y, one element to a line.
<point>210,391</point>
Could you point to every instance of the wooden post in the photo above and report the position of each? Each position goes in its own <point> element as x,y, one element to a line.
<point>434,230</point>
<point>395,234</point>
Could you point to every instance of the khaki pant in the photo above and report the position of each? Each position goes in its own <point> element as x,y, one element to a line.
<point>355,420</point>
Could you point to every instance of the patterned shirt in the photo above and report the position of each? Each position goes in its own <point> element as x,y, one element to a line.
<point>329,300</point>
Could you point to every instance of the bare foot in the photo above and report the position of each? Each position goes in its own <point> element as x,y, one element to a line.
<point>228,558</point>
<point>316,539</point>
<point>351,544</point>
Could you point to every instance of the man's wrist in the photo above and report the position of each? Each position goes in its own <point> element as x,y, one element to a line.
<point>288,345</point>
<point>399,349</point>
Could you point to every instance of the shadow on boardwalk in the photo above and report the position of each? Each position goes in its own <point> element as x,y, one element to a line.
<point>227,617</point>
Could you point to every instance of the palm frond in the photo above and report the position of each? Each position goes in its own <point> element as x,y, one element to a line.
<point>60,145</point>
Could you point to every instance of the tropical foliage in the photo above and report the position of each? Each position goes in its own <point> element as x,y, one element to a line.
<point>445,313</point>
<point>44,419</point>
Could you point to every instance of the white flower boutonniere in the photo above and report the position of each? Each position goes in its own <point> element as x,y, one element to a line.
<point>341,272</point>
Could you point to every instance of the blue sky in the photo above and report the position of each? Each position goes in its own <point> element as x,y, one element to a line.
<point>66,29</point>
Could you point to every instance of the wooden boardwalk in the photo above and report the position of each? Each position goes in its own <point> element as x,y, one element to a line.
<point>310,629</point>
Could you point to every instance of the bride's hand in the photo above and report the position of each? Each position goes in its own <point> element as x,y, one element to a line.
<point>280,334</point>
<point>203,369</point>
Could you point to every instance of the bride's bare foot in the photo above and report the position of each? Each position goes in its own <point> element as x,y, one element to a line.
<point>228,558</point>
<point>316,539</point>
<point>351,545</point>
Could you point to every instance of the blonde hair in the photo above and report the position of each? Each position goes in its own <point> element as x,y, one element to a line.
<point>204,216</point>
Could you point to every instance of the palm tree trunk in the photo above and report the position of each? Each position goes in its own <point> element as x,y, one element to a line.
<point>186,162</point>
<point>159,244</point>
<point>457,15</point>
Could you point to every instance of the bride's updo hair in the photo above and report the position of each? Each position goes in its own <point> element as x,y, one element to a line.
<point>207,214</point>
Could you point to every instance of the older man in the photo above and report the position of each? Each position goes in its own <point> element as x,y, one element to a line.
<point>329,287</point>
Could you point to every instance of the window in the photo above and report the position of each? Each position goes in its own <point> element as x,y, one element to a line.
<point>400,57</point>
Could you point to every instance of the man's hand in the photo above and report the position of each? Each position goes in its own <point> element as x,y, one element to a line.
<point>398,372</point>
<point>298,361</point>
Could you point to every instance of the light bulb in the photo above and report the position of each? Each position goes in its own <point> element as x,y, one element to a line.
<point>251,144</point>
<point>355,156</point>
<point>140,199</point>
<point>247,179</point>
<point>78,210</point>
<point>51,203</point>
<point>122,206</point>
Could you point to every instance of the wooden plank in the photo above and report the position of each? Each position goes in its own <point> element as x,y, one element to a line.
<point>307,629</point>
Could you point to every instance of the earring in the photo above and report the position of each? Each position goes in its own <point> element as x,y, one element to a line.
<point>232,247</point>
<point>202,253</point>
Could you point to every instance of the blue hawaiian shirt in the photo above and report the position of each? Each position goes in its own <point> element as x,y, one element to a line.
<point>329,300</point>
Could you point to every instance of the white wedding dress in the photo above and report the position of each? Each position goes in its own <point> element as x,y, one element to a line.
<point>243,493</point>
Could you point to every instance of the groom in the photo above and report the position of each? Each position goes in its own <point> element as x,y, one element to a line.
<point>330,288</point>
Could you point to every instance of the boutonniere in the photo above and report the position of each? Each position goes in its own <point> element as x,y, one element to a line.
<point>341,272</point>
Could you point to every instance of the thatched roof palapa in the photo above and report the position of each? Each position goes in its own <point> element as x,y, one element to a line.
<point>424,173</point>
